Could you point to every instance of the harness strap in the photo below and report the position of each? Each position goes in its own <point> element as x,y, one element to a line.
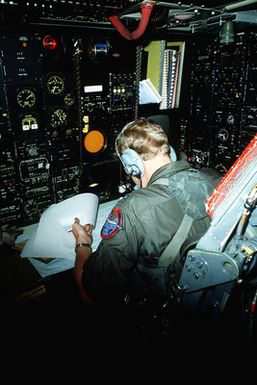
<point>172,249</point>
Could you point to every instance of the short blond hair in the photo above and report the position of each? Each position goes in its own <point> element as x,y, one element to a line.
<point>144,136</point>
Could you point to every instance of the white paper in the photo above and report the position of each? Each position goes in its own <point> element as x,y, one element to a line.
<point>61,264</point>
<point>148,93</point>
<point>56,265</point>
<point>52,238</point>
<point>84,206</point>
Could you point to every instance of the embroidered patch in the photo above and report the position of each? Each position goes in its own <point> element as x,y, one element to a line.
<point>112,224</point>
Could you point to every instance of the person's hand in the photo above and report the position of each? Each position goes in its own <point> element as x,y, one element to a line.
<point>82,233</point>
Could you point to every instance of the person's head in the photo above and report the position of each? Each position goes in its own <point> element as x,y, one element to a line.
<point>143,147</point>
<point>144,136</point>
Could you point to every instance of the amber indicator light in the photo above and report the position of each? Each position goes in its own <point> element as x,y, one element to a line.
<point>94,141</point>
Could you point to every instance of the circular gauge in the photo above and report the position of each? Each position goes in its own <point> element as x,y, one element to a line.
<point>231,119</point>
<point>69,100</point>
<point>55,85</point>
<point>58,118</point>
<point>26,98</point>
<point>223,135</point>
<point>29,122</point>
<point>94,142</point>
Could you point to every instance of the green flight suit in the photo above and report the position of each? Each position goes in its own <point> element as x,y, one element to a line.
<point>139,229</point>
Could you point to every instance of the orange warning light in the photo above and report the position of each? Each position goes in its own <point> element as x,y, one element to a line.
<point>94,141</point>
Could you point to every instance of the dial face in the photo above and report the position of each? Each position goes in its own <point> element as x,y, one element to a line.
<point>55,85</point>
<point>69,100</point>
<point>58,118</point>
<point>230,119</point>
<point>26,98</point>
<point>223,135</point>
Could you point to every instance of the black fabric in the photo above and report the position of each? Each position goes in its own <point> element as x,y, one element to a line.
<point>191,189</point>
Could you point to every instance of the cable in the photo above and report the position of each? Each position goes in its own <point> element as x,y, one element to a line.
<point>146,10</point>
<point>139,53</point>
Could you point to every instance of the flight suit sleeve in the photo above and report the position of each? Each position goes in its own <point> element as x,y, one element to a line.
<point>107,270</point>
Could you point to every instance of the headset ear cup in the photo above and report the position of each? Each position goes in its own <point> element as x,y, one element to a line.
<point>132,163</point>
<point>173,155</point>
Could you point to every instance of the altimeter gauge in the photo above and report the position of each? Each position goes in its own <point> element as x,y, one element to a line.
<point>26,98</point>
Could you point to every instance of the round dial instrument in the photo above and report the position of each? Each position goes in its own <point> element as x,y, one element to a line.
<point>26,98</point>
<point>69,100</point>
<point>58,118</point>
<point>55,85</point>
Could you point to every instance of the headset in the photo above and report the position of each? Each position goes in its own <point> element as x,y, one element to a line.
<point>133,164</point>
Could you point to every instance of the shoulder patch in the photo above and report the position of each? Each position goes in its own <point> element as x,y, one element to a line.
<point>112,224</point>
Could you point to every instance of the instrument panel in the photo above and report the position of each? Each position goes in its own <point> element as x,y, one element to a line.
<point>222,118</point>
<point>57,119</point>
<point>79,12</point>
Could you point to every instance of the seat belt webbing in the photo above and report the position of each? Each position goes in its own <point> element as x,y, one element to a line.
<point>172,250</point>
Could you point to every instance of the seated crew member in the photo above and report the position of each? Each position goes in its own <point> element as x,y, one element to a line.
<point>139,227</point>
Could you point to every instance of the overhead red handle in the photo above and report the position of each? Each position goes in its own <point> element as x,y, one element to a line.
<point>146,10</point>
